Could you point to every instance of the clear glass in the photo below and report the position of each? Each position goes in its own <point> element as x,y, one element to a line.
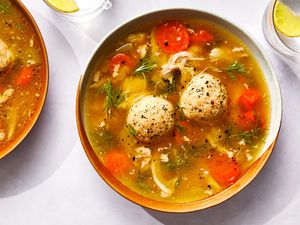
<point>87,9</point>
<point>287,46</point>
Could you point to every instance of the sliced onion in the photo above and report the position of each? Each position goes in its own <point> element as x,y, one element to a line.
<point>167,186</point>
<point>125,48</point>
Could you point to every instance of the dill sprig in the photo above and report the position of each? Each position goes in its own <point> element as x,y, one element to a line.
<point>180,112</point>
<point>145,66</point>
<point>113,97</point>
<point>250,136</point>
<point>236,67</point>
<point>169,86</point>
<point>131,130</point>
<point>141,182</point>
<point>181,129</point>
<point>5,7</point>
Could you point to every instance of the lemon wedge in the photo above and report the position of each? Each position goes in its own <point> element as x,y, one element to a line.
<point>286,20</point>
<point>66,6</point>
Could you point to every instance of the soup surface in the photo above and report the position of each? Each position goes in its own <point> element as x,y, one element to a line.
<point>22,76</point>
<point>177,111</point>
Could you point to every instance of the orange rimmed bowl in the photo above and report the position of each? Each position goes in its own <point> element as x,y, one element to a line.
<point>276,109</point>
<point>44,73</point>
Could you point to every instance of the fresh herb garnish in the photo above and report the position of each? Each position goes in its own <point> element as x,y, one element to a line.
<point>169,86</point>
<point>145,66</point>
<point>103,139</point>
<point>20,26</point>
<point>178,181</point>
<point>250,137</point>
<point>141,182</point>
<point>181,157</point>
<point>5,7</point>
<point>185,155</point>
<point>236,67</point>
<point>177,162</point>
<point>180,112</point>
<point>131,130</point>
<point>113,97</point>
<point>181,129</point>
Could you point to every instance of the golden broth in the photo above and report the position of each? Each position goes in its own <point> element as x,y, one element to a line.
<point>22,78</point>
<point>203,158</point>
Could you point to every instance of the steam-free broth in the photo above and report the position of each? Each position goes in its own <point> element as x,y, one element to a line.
<point>22,76</point>
<point>178,111</point>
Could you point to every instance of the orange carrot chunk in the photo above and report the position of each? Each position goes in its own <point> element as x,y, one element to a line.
<point>172,37</point>
<point>224,169</point>
<point>122,60</point>
<point>201,36</point>
<point>117,162</point>
<point>247,120</point>
<point>25,76</point>
<point>249,99</point>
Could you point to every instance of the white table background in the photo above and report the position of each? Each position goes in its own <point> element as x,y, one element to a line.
<point>49,180</point>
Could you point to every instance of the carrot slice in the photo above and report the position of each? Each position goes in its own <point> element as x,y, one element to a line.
<point>201,36</point>
<point>117,162</point>
<point>247,120</point>
<point>249,99</point>
<point>25,76</point>
<point>122,60</point>
<point>183,123</point>
<point>172,37</point>
<point>224,169</point>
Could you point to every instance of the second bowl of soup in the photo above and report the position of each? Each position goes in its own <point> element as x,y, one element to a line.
<point>178,110</point>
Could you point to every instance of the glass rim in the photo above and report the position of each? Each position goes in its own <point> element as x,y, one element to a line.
<point>278,32</point>
<point>103,5</point>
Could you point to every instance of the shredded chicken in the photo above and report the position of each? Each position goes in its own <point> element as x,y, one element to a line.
<point>227,54</point>
<point>6,95</point>
<point>5,56</point>
<point>142,50</point>
<point>116,70</point>
<point>176,62</point>
<point>143,154</point>
<point>179,61</point>
<point>96,77</point>
<point>164,158</point>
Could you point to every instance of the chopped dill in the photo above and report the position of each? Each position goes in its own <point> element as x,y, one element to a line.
<point>250,137</point>
<point>169,87</point>
<point>103,140</point>
<point>5,7</point>
<point>236,67</point>
<point>145,66</point>
<point>181,129</point>
<point>131,130</point>
<point>113,97</point>
<point>179,160</point>
<point>178,181</point>
<point>141,182</point>
<point>180,111</point>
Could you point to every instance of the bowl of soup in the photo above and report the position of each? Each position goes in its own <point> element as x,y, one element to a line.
<point>23,74</point>
<point>178,110</point>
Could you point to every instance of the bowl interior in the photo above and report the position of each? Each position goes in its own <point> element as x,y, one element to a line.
<point>26,14</point>
<point>106,46</point>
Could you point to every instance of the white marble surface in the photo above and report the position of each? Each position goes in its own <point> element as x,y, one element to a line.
<point>49,180</point>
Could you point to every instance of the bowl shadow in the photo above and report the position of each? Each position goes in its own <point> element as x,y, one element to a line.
<point>52,138</point>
